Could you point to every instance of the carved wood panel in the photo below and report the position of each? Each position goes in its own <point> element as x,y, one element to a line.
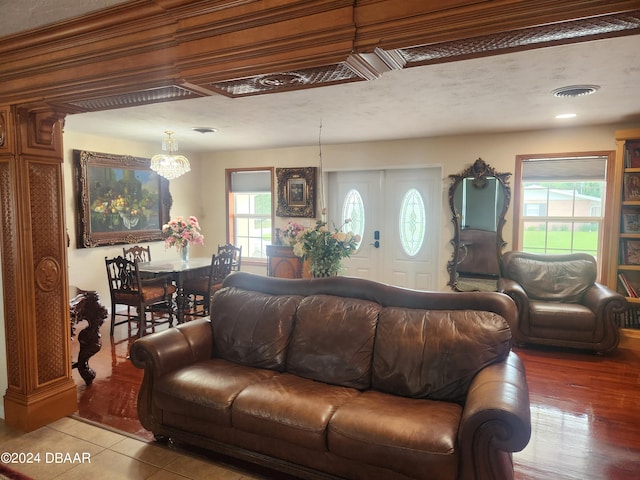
<point>48,283</point>
<point>9,269</point>
<point>34,260</point>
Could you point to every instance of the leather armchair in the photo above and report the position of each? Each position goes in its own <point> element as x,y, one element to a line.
<point>559,301</point>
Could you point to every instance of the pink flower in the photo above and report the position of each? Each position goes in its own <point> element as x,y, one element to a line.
<point>178,233</point>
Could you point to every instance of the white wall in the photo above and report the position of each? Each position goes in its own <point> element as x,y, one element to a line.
<point>202,191</point>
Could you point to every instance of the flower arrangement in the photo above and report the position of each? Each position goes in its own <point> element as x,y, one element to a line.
<point>180,233</point>
<point>325,248</point>
<point>289,235</point>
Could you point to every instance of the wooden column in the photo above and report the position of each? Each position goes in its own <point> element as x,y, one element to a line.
<point>34,268</point>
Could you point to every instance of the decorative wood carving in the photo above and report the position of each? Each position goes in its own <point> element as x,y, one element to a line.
<point>9,269</point>
<point>3,130</point>
<point>196,47</point>
<point>479,174</point>
<point>85,305</point>
<point>34,272</point>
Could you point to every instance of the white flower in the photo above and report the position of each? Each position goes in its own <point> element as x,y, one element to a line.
<point>298,249</point>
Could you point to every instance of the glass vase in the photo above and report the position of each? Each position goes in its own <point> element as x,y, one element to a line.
<point>322,267</point>
<point>184,253</point>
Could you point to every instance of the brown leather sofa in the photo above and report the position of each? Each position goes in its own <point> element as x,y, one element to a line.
<point>559,301</point>
<point>342,378</point>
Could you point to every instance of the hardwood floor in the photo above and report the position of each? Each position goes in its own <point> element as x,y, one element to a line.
<point>585,409</point>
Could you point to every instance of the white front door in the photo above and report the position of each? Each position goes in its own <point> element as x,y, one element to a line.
<point>398,213</point>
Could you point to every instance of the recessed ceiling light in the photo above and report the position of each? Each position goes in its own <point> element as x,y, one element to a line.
<point>573,91</point>
<point>204,129</point>
<point>566,115</point>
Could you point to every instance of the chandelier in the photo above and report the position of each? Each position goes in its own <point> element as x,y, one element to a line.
<point>170,165</point>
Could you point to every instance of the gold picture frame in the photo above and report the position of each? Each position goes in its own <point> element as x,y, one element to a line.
<point>296,192</point>
<point>120,199</point>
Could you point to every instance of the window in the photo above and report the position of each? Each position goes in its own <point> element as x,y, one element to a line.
<point>412,222</point>
<point>559,204</point>
<point>353,210</point>
<point>250,210</point>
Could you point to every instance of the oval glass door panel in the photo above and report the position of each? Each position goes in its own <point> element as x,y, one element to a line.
<point>353,210</point>
<point>412,222</point>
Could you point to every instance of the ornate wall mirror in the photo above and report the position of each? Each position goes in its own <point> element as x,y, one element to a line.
<point>479,199</point>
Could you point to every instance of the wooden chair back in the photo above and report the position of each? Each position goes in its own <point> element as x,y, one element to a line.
<point>123,276</point>
<point>236,253</point>
<point>137,252</point>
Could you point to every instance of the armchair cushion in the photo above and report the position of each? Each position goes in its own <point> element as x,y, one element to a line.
<point>559,279</point>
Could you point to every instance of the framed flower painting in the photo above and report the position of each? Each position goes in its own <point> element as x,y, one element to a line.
<point>119,199</point>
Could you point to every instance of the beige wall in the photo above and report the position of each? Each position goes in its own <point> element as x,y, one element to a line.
<point>86,265</point>
<point>201,192</point>
<point>452,153</point>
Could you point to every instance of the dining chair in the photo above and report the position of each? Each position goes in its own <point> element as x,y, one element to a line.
<point>127,287</point>
<point>137,252</point>
<point>199,290</point>
<point>236,252</point>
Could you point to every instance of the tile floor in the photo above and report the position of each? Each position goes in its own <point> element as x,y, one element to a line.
<point>107,454</point>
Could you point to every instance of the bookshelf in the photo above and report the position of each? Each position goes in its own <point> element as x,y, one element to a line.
<point>624,259</point>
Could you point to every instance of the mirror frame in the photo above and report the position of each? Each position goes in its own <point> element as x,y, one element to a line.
<point>479,172</point>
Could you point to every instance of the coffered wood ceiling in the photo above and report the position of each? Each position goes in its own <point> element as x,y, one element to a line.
<point>146,52</point>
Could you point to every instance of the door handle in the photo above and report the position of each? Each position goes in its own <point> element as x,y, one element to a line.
<point>376,237</point>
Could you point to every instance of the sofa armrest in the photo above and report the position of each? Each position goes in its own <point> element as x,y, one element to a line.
<point>604,301</point>
<point>164,352</point>
<point>496,420</point>
<point>514,290</point>
<point>174,348</point>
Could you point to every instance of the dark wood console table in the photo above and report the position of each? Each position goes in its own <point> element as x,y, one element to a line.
<point>283,263</point>
<point>85,305</point>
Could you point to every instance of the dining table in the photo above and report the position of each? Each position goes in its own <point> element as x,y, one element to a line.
<point>179,271</point>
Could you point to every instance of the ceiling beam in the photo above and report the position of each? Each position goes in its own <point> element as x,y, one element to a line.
<point>150,44</point>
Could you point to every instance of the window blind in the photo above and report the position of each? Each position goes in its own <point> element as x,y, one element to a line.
<point>564,169</point>
<point>254,181</point>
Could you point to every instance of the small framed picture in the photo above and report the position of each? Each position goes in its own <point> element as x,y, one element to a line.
<point>296,192</point>
<point>632,186</point>
<point>631,252</point>
<point>633,154</point>
<point>630,221</point>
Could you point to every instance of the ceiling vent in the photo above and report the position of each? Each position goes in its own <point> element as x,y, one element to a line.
<point>575,91</point>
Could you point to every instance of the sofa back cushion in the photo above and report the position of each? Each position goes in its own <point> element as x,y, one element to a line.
<point>436,353</point>
<point>552,281</point>
<point>332,340</point>
<point>252,328</point>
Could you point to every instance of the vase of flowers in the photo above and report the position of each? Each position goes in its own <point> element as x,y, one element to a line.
<point>325,248</point>
<point>289,235</point>
<point>180,233</point>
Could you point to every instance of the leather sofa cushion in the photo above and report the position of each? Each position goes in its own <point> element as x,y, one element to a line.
<point>402,434</point>
<point>296,410</point>
<point>436,353</point>
<point>332,341</point>
<point>206,389</point>
<point>559,281</point>
<point>564,316</point>
<point>252,328</point>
